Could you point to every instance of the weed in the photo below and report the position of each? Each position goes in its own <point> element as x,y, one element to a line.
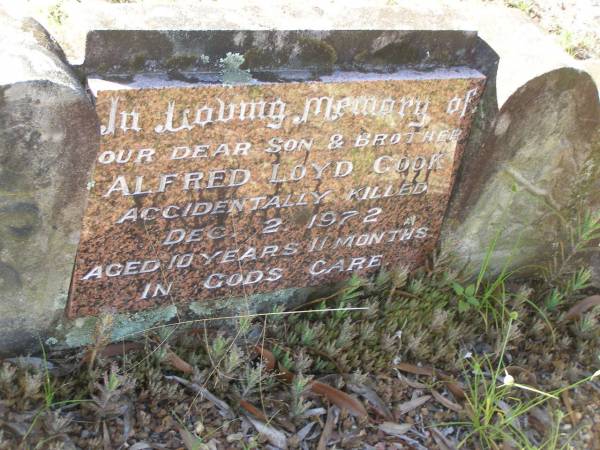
<point>297,388</point>
<point>522,5</point>
<point>100,338</point>
<point>578,46</point>
<point>56,13</point>
<point>580,234</point>
<point>497,406</point>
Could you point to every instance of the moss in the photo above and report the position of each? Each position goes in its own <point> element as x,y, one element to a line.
<point>103,68</point>
<point>314,52</point>
<point>398,53</point>
<point>81,331</point>
<point>180,62</point>
<point>361,57</point>
<point>256,58</point>
<point>252,304</point>
<point>138,62</point>
<point>231,72</point>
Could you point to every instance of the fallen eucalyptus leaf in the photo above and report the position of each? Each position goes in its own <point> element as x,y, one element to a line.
<point>395,429</point>
<point>405,407</point>
<point>313,412</point>
<point>442,441</point>
<point>223,407</point>
<point>327,430</point>
<point>411,368</point>
<point>444,401</point>
<point>305,430</point>
<point>275,436</point>
<point>179,363</point>
<point>250,408</point>
<point>582,306</point>
<point>339,398</point>
<point>373,399</point>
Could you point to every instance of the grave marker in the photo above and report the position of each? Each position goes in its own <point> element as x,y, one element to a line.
<point>219,191</point>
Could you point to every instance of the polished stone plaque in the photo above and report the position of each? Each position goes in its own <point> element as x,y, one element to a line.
<point>219,191</point>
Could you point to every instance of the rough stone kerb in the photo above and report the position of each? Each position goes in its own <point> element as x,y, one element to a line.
<point>48,140</point>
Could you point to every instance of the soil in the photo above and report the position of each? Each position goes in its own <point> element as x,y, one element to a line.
<point>575,23</point>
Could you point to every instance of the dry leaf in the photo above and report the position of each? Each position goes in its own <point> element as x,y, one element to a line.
<point>335,396</point>
<point>455,389</point>
<point>313,412</point>
<point>249,407</point>
<point>411,383</point>
<point>144,446</point>
<point>453,386</point>
<point>373,399</point>
<point>223,407</point>
<point>339,398</point>
<point>116,349</point>
<point>540,420</point>
<point>190,442</point>
<point>327,430</point>
<point>569,405</point>
<point>32,362</point>
<point>267,356</point>
<point>442,441</point>
<point>179,363</point>
<point>413,404</point>
<point>275,437</point>
<point>411,368</point>
<point>582,306</point>
<point>106,444</point>
<point>303,432</point>
<point>444,401</point>
<point>395,429</point>
<point>285,375</point>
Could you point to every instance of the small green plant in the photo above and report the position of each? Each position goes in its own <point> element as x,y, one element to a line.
<point>497,405</point>
<point>580,234</point>
<point>522,5</point>
<point>231,73</point>
<point>298,387</point>
<point>578,46</point>
<point>191,440</point>
<point>56,13</point>
<point>487,294</point>
<point>466,297</point>
<point>49,413</point>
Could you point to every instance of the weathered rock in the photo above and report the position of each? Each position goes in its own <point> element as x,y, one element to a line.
<point>48,139</point>
<point>537,169</point>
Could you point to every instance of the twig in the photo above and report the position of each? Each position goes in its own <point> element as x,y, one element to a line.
<point>327,429</point>
<point>225,409</point>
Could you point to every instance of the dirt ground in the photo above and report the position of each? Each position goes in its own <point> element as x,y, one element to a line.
<point>575,23</point>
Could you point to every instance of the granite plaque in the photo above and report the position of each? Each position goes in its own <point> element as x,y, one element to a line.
<point>219,191</point>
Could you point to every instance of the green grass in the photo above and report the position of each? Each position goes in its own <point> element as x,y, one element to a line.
<point>496,405</point>
<point>522,5</point>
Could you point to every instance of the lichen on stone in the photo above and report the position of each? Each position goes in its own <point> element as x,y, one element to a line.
<point>314,52</point>
<point>180,62</point>
<point>231,73</point>
<point>138,62</point>
<point>81,330</point>
<point>256,58</point>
